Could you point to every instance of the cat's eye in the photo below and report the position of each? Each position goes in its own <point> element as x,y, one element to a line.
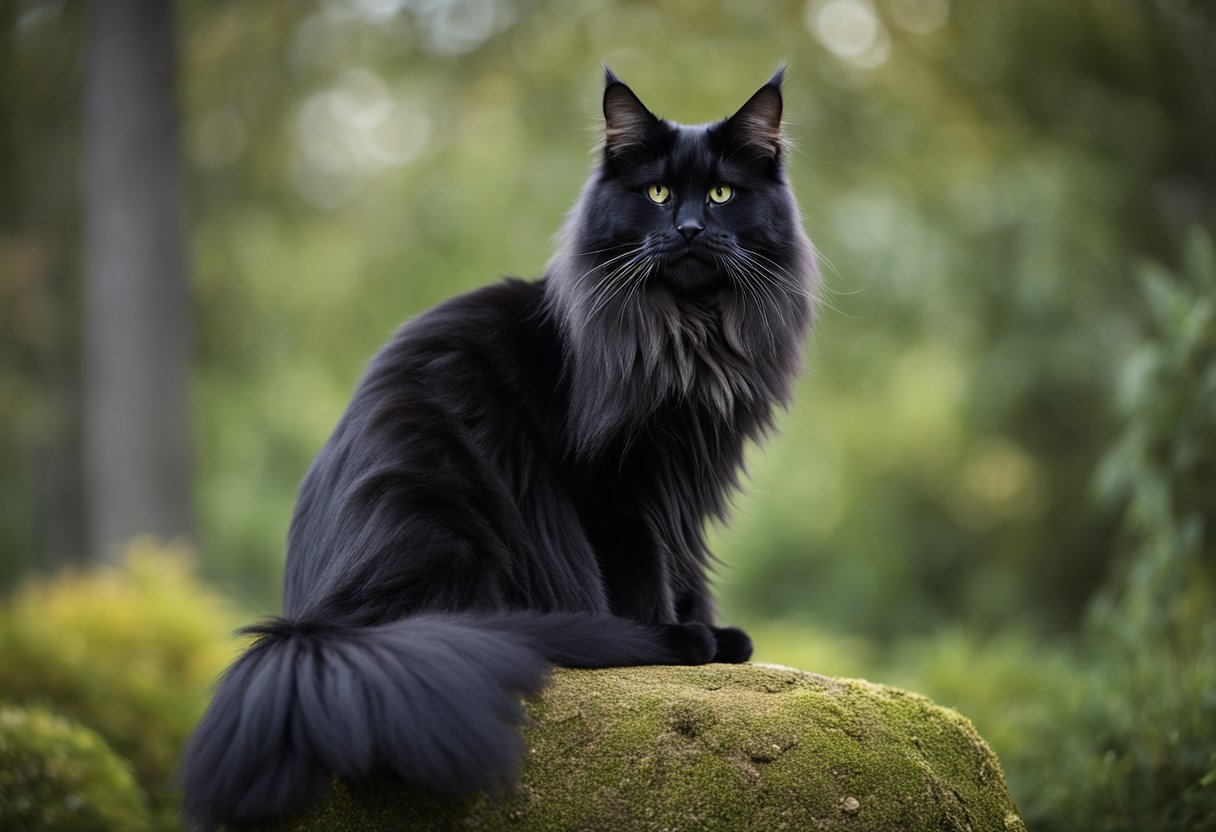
<point>721,193</point>
<point>658,193</point>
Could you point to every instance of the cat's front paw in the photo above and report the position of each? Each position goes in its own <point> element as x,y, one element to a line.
<point>690,643</point>
<point>732,645</point>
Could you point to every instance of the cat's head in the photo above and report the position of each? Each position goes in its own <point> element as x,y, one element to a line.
<point>684,268</point>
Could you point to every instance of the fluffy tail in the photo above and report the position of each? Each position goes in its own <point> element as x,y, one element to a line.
<point>434,699</point>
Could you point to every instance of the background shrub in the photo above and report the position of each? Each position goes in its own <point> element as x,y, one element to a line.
<point>58,776</point>
<point>128,652</point>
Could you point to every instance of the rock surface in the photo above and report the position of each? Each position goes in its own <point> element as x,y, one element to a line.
<point>719,747</point>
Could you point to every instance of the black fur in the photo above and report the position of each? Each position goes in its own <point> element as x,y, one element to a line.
<point>523,478</point>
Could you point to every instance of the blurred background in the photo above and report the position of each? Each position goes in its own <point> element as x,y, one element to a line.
<point>997,485</point>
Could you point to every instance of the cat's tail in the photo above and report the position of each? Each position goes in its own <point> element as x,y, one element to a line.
<point>433,699</point>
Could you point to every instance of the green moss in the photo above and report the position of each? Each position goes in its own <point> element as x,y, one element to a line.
<point>58,775</point>
<point>719,747</point>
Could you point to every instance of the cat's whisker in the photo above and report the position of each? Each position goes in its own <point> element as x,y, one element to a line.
<point>814,298</point>
<point>595,291</point>
<point>602,250</point>
<point>651,262</point>
<point>840,294</point>
<point>611,275</point>
<point>633,277</point>
<point>608,280</point>
<point>774,281</point>
<point>754,289</point>
<point>824,298</point>
<point>610,261</point>
<point>766,259</point>
<point>618,284</point>
<point>764,300</point>
<point>773,267</point>
<point>827,289</point>
<point>635,280</point>
<point>798,291</point>
<point>748,272</point>
<point>823,258</point>
<point>621,277</point>
<point>784,279</point>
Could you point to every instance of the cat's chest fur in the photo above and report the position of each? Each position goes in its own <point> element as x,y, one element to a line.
<point>642,505</point>
<point>642,496</point>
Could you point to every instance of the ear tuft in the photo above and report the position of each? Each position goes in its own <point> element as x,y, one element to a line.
<point>758,122</point>
<point>626,119</point>
<point>778,77</point>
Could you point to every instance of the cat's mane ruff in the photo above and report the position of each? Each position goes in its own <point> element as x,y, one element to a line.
<point>734,357</point>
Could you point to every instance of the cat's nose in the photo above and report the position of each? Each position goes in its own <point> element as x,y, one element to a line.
<point>690,228</point>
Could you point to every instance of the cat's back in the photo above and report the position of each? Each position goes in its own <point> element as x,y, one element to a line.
<point>477,372</point>
<point>495,340</point>
<point>450,406</point>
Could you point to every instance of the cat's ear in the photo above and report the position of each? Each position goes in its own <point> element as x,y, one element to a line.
<point>757,124</point>
<point>627,122</point>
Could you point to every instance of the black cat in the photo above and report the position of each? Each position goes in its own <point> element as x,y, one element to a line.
<point>523,479</point>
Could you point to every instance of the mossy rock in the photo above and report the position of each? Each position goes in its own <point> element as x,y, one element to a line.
<point>720,747</point>
<point>58,776</point>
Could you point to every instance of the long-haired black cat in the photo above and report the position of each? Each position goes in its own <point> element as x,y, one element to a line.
<point>523,479</point>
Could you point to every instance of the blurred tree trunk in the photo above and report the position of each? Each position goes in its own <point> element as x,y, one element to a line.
<point>137,304</point>
<point>41,510</point>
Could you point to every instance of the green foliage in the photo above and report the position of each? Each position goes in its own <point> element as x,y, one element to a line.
<point>1115,732</point>
<point>1149,716</point>
<point>1163,468</point>
<point>58,776</point>
<point>127,652</point>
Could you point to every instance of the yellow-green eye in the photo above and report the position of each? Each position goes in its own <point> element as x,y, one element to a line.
<point>658,193</point>
<point>721,193</point>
